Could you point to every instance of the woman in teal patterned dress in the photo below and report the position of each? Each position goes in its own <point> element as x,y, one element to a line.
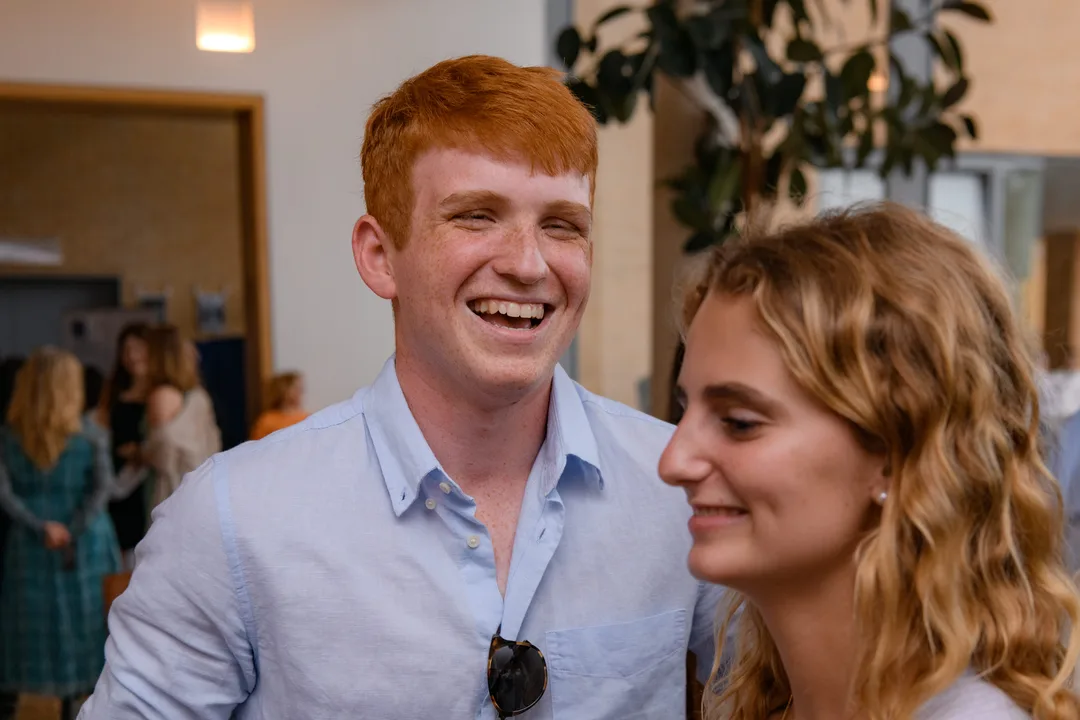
<point>55,478</point>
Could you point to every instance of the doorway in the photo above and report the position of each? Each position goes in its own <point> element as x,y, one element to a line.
<point>133,113</point>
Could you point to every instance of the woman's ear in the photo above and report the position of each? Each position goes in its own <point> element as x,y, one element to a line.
<point>879,487</point>
<point>372,248</point>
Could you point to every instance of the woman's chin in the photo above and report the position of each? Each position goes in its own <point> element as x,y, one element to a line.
<point>713,565</point>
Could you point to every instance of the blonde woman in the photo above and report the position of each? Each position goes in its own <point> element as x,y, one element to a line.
<point>860,449</point>
<point>55,475</point>
<point>284,405</point>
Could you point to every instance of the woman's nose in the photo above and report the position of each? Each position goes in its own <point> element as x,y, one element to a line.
<point>682,461</point>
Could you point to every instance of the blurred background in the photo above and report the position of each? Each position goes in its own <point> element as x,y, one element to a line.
<point>196,162</point>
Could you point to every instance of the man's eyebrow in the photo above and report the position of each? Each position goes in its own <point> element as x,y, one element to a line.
<point>571,209</point>
<point>471,197</point>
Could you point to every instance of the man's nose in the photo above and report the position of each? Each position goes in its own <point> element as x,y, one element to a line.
<point>522,257</point>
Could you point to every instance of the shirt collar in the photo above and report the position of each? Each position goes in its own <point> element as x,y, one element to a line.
<point>406,459</point>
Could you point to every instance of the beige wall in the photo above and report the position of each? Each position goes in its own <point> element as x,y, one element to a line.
<point>319,65</point>
<point>614,342</point>
<point>1023,66</point>
<point>1025,70</point>
<point>153,199</point>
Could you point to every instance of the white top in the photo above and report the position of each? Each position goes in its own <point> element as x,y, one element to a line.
<point>971,698</point>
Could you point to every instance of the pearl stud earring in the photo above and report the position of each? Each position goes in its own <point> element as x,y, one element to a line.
<point>882,497</point>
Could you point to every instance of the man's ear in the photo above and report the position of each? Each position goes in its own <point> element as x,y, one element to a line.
<point>371,248</point>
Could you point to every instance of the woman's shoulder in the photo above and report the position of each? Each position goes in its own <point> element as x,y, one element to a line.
<point>163,404</point>
<point>972,698</point>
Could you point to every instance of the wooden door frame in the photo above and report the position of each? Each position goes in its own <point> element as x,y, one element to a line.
<point>247,111</point>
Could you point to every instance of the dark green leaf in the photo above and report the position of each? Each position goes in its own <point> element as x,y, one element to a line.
<point>866,145</point>
<point>621,105</point>
<point>590,97</point>
<point>942,50</point>
<point>610,15</point>
<point>847,125</point>
<point>957,52</point>
<point>766,66</point>
<point>568,46</point>
<point>970,126</point>
<point>971,9</point>
<point>701,240</point>
<point>925,146</point>
<point>834,93</point>
<point>768,10</point>
<point>954,94</point>
<point>719,67</point>
<point>797,186</point>
<point>708,31</point>
<point>678,56</point>
<point>614,74</point>
<point>899,21</point>
<point>800,50</point>
<point>665,22</point>
<point>908,88</point>
<point>770,182</point>
<point>689,213</point>
<point>891,156</point>
<point>724,186</point>
<point>907,157</point>
<point>941,137</point>
<point>798,10</point>
<point>856,73</point>
<point>928,99</point>
<point>787,93</point>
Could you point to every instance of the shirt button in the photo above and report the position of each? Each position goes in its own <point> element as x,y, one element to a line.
<point>430,504</point>
<point>473,542</point>
<point>445,487</point>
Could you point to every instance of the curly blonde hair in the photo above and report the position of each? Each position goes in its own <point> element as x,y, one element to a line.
<point>47,404</point>
<point>900,327</point>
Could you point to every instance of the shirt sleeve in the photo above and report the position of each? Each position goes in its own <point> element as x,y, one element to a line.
<point>103,482</point>
<point>13,506</point>
<point>178,646</point>
<point>703,633</point>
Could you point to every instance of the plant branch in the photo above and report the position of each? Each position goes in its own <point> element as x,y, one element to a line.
<point>921,25</point>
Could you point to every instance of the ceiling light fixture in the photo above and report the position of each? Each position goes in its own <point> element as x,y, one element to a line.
<point>225,25</point>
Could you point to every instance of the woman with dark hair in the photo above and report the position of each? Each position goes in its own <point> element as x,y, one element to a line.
<point>123,412</point>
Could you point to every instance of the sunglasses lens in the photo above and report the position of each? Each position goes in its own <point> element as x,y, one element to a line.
<point>518,677</point>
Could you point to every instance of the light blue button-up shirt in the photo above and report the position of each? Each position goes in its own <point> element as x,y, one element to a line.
<point>335,571</point>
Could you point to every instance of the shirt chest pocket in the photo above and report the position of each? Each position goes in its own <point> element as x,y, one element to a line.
<point>630,671</point>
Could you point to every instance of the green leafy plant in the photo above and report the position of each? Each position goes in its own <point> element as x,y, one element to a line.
<point>769,116</point>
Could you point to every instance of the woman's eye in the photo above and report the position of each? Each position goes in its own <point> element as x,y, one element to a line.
<point>740,426</point>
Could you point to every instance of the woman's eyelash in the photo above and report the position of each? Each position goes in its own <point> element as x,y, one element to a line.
<point>740,425</point>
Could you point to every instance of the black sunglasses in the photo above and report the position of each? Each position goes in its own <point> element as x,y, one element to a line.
<point>517,675</point>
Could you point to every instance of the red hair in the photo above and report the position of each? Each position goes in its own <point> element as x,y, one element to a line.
<point>472,103</point>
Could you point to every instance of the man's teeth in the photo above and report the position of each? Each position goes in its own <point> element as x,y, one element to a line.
<point>510,309</point>
<point>718,511</point>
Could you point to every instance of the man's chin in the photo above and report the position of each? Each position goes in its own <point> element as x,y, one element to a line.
<point>514,378</point>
